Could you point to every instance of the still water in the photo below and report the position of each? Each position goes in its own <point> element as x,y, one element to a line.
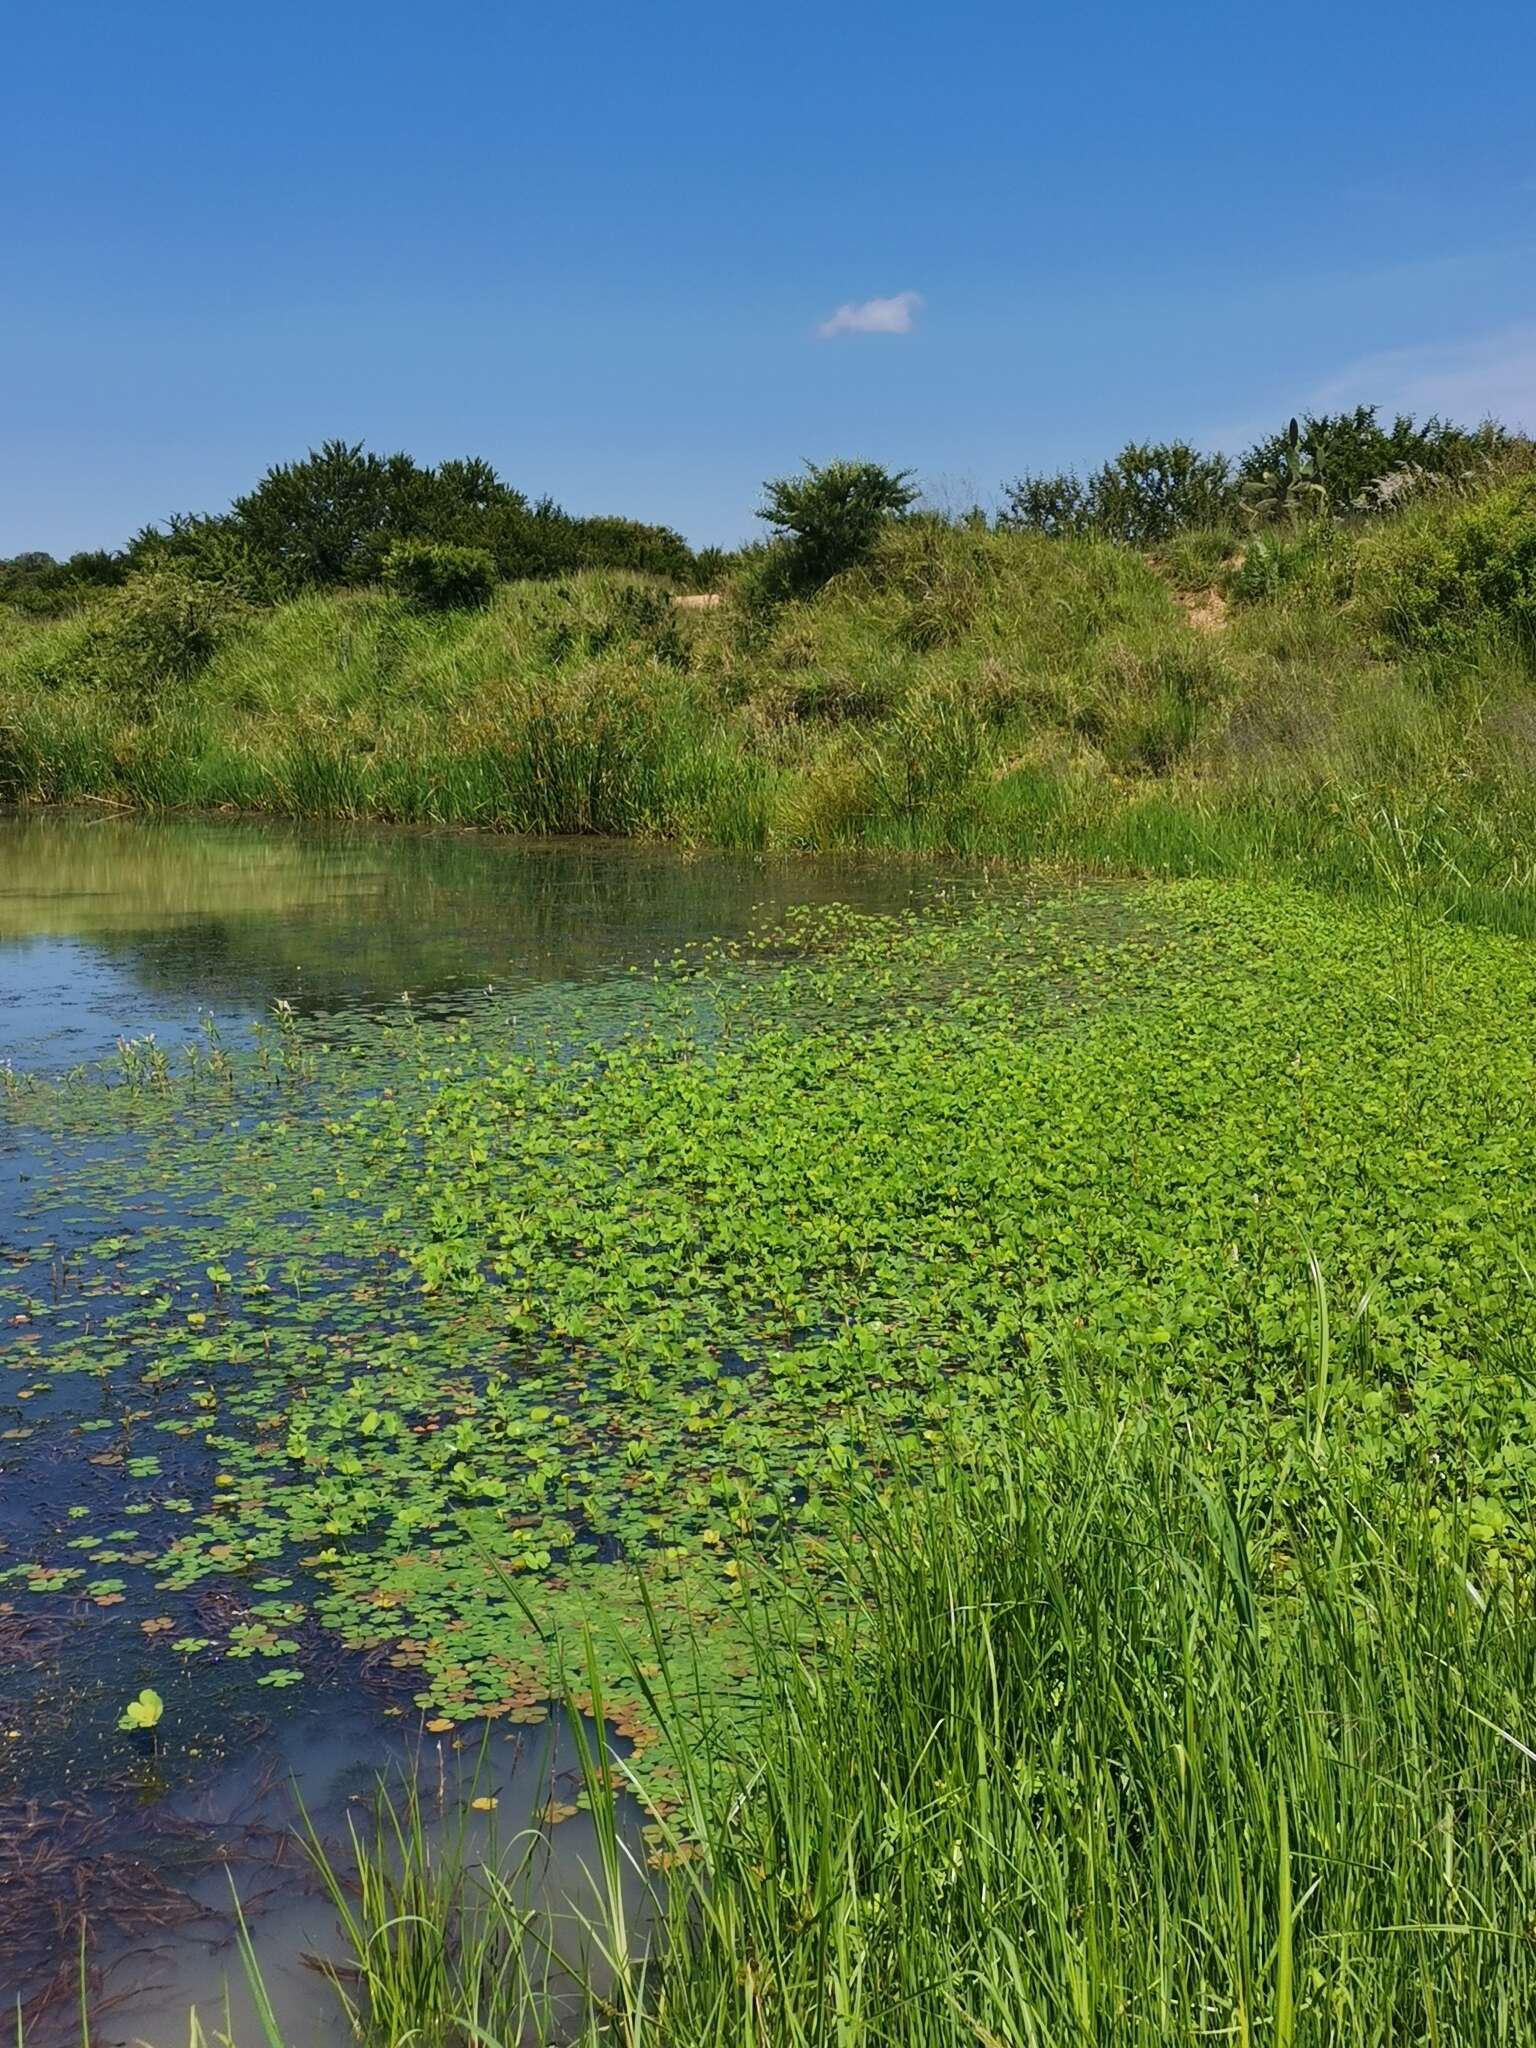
<point>116,929</point>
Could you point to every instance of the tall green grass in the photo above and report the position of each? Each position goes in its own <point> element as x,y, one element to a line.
<point>1109,1752</point>
<point>1083,1741</point>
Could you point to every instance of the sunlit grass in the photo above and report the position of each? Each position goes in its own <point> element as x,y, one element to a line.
<point>968,692</point>
<point>1077,1740</point>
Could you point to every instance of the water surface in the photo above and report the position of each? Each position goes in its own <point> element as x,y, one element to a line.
<point>116,929</point>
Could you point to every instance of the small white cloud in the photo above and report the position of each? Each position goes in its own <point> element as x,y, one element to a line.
<point>873,316</point>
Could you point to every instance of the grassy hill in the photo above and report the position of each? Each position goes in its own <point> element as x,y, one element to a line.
<point>1353,704</point>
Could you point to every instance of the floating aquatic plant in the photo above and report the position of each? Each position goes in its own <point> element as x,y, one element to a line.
<point>453,1339</point>
<point>142,1714</point>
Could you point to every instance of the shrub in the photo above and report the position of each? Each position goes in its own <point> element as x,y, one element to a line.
<point>1056,504</point>
<point>330,519</point>
<point>208,551</point>
<point>432,576</point>
<point>160,627</point>
<point>1151,490</point>
<point>1345,453</point>
<point>166,626</point>
<point>1441,578</point>
<point>1289,489</point>
<point>765,578</point>
<point>610,543</point>
<point>1317,558</point>
<point>830,516</point>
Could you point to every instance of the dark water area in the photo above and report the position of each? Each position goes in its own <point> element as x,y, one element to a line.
<point>191,933</point>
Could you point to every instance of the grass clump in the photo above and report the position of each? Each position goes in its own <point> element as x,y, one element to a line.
<point>1105,1752</point>
<point>1075,1738</point>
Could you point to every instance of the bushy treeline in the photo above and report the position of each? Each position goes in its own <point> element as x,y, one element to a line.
<point>345,516</point>
<point>958,688</point>
<point>1422,537</point>
<point>1339,464</point>
<point>442,537</point>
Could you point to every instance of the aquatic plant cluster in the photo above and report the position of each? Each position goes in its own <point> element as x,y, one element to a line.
<point>468,1337</point>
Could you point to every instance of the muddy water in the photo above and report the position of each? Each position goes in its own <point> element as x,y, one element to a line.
<point>114,929</point>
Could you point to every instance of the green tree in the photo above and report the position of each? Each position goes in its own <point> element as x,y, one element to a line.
<point>829,517</point>
<point>1150,491</point>
<point>332,518</point>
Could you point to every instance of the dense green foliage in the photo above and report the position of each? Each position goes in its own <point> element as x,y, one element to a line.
<point>35,583</point>
<point>1439,577</point>
<point>1147,493</point>
<point>1159,1255</point>
<point>1344,463</point>
<point>1351,454</point>
<point>433,576</point>
<point>159,628</point>
<point>828,519</point>
<point>330,521</point>
<point>1103,676</point>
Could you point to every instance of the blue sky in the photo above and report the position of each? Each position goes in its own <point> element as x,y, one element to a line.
<point>598,244</point>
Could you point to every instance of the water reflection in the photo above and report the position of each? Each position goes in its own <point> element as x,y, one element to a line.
<point>116,926</point>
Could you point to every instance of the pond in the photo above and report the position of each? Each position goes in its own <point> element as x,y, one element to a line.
<point>129,948</point>
<point>454,1292</point>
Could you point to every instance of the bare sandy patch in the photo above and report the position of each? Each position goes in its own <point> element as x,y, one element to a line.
<point>1206,610</point>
